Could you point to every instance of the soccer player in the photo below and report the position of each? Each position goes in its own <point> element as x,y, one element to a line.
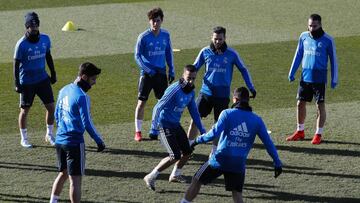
<point>314,49</point>
<point>153,48</point>
<point>237,128</point>
<point>73,118</point>
<point>219,60</point>
<point>31,52</point>
<point>166,118</point>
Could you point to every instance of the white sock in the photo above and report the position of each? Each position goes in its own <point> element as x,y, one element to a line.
<point>49,129</point>
<point>176,171</point>
<point>138,125</point>
<point>154,173</point>
<point>184,201</point>
<point>300,127</point>
<point>54,198</point>
<point>319,131</point>
<point>23,134</point>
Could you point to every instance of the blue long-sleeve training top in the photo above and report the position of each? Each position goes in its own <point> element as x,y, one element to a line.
<point>32,59</point>
<point>73,116</point>
<point>314,54</point>
<point>219,71</point>
<point>167,112</point>
<point>237,130</point>
<point>152,51</point>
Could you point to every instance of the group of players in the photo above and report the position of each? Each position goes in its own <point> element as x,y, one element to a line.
<point>233,133</point>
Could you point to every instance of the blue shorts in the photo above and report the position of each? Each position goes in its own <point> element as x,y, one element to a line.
<point>42,89</point>
<point>71,158</point>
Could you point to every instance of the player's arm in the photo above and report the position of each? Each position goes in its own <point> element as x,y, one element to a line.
<point>16,71</point>
<point>84,110</point>
<point>245,73</point>
<point>165,100</point>
<point>269,145</point>
<point>195,115</point>
<point>296,60</point>
<point>334,64</point>
<point>216,130</point>
<point>200,60</point>
<point>50,63</point>
<point>16,67</point>
<point>170,60</point>
<point>142,63</point>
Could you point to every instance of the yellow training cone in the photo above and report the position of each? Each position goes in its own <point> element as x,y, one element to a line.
<point>69,26</point>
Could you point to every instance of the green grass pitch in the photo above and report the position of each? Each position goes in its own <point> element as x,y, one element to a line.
<point>264,32</point>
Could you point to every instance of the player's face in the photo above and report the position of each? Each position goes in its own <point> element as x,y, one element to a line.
<point>90,80</point>
<point>189,77</point>
<point>218,40</point>
<point>33,29</point>
<point>155,23</point>
<point>313,25</point>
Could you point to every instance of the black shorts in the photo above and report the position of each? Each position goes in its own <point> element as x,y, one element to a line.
<point>206,103</point>
<point>158,82</point>
<point>233,181</point>
<point>71,158</point>
<point>42,89</point>
<point>175,141</point>
<point>307,91</point>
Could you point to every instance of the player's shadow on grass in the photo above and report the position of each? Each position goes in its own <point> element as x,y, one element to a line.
<point>24,166</point>
<point>286,196</point>
<point>301,172</point>
<point>29,199</point>
<point>314,150</point>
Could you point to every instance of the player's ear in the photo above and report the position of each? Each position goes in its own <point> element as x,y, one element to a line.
<point>84,77</point>
<point>235,100</point>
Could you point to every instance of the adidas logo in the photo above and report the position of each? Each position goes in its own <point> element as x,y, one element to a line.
<point>241,130</point>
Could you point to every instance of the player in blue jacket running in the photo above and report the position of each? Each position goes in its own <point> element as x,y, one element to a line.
<point>237,129</point>
<point>314,49</point>
<point>31,78</point>
<point>73,118</point>
<point>219,60</point>
<point>153,48</point>
<point>166,117</point>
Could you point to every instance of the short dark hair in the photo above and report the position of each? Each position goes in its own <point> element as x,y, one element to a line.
<point>219,30</point>
<point>155,12</point>
<point>242,94</point>
<point>89,69</point>
<point>32,19</point>
<point>190,68</point>
<point>315,17</point>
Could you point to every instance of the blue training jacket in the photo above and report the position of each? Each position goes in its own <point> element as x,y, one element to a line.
<point>32,59</point>
<point>237,130</point>
<point>314,54</point>
<point>73,117</point>
<point>219,71</point>
<point>167,112</point>
<point>151,52</point>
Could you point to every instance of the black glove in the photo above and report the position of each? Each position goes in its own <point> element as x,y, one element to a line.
<point>193,145</point>
<point>101,147</point>
<point>253,93</point>
<point>18,88</point>
<point>277,171</point>
<point>171,79</point>
<point>53,77</point>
